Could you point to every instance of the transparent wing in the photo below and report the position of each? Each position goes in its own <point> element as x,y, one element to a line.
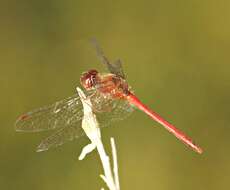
<point>64,115</point>
<point>112,111</point>
<point>115,68</point>
<point>116,110</point>
<point>61,136</point>
<point>58,115</point>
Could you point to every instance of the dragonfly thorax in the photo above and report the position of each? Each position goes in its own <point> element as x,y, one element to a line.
<point>113,85</point>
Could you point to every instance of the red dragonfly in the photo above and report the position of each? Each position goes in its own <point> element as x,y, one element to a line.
<point>111,99</point>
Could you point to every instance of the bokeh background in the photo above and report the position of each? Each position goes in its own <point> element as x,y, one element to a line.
<point>176,58</point>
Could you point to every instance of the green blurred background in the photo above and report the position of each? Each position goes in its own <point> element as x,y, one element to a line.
<point>176,58</point>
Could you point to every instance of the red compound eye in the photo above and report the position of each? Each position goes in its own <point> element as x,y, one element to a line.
<point>88,79</point>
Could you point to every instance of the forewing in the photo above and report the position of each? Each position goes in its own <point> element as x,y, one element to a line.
<point>61,136</point>
<point>113,110</point>
<point>114,68</point>
<point>57,115</point>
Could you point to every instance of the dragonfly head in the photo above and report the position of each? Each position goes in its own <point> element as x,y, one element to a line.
<point>88,79</point>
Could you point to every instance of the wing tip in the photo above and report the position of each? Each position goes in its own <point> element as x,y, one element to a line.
<point>20,119</point>
<point>17,127</point>
<point>41,147</point>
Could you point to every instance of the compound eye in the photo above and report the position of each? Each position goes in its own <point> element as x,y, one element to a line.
<point>88,79</point>
<point>88,83</point>
<point>93,72</point>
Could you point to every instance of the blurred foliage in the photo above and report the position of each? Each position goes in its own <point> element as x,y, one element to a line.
<point>176,57</point>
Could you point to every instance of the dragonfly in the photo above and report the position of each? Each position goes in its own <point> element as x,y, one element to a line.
<point>112,99</point>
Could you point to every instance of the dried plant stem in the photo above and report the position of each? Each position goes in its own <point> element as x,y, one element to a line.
<point>115,163</point>
<point>92,130</point>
